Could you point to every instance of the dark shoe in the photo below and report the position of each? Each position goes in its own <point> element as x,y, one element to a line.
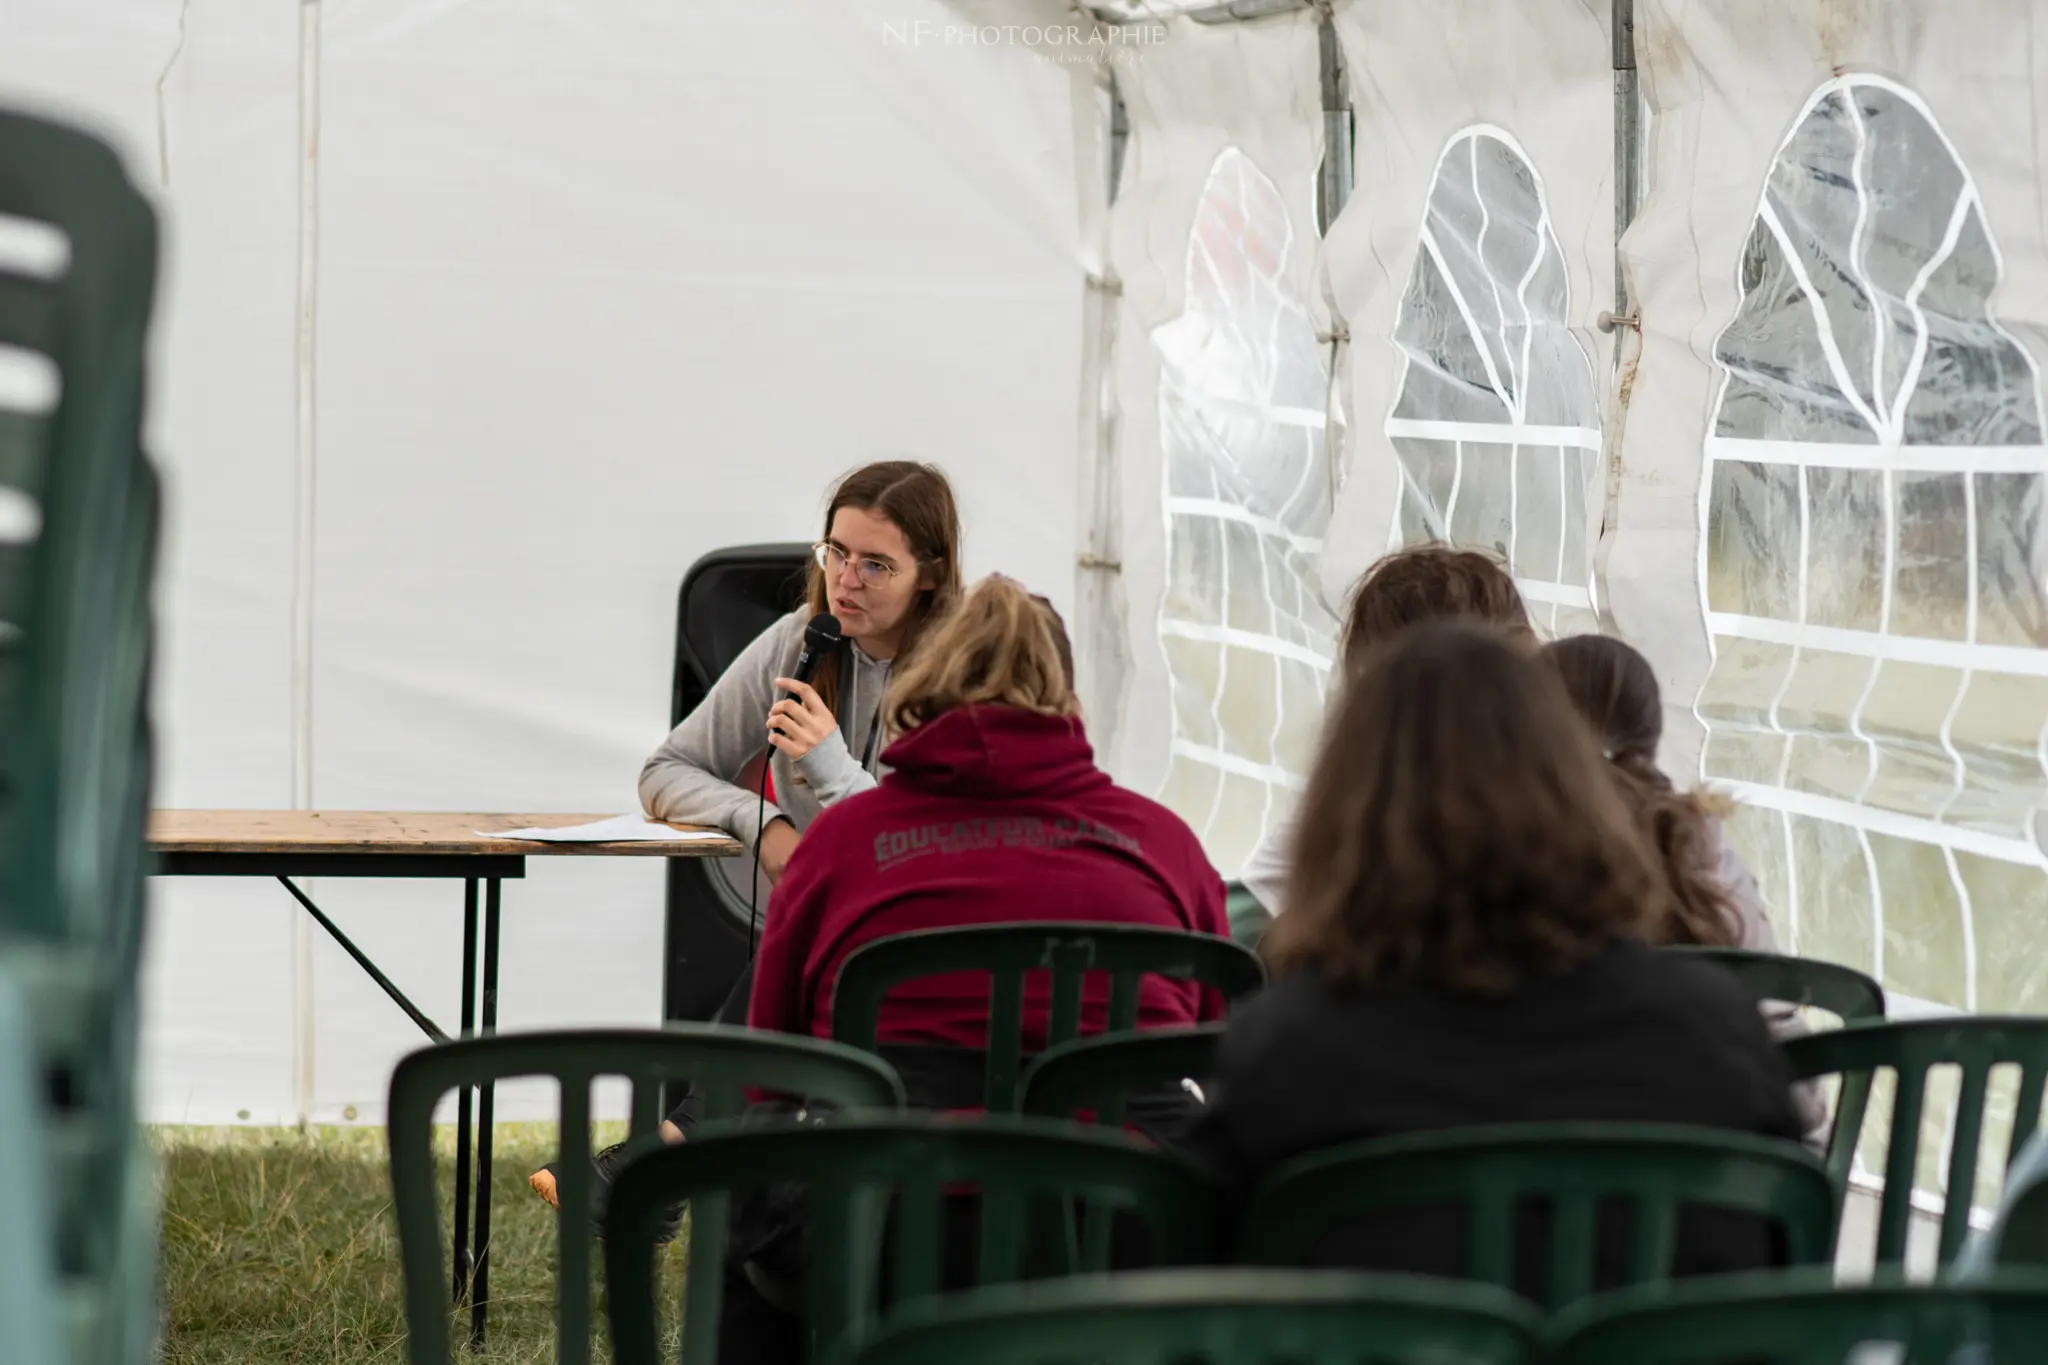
<point>604,1166</point>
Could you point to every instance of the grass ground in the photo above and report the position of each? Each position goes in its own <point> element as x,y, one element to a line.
<point>279,1248</point>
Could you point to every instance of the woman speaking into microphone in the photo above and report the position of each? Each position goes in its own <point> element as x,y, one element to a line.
<point>888,564</point>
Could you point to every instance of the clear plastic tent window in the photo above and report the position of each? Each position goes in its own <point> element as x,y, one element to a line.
<point>1873,560</point>
<point>1248,639</point>
<point>1495,423</point>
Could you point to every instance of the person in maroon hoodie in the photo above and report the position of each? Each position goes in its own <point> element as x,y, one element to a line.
<point>991,811</point>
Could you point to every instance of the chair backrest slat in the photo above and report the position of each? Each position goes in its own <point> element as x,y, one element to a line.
<point>1803,1318</point>
<point>1962,1159</point>
<point>1233,1316</point>
<point>722,1061</point>
<point>849,1166</point>
<point>1902,1153</point>
<point>1571,1253</point>
<point>1802,981</point>
<point>1654,1170</point>
<point>645,1107</point>
<point>1070,951</point>
<point>1123,1001</point>
<point>1070,962</point>
<point>1654,1243</point>
<point>1910,1049</point>
<point>2026,1115</point>
<point>572,1251</point>
<point>1005,1034</point>
<point>1099,1074</point>
<point>916,1258</point>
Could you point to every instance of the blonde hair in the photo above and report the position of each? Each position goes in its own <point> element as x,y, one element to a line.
<point>999,646</point>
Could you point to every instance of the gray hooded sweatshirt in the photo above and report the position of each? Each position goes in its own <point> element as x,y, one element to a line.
<point>690,778</point>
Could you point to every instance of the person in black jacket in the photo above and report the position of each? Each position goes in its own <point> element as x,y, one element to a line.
<point>1465,944</point>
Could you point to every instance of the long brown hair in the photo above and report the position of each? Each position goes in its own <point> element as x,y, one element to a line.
<point>1432,582</point>
<point>1615,689</point>
<point>1000,646</point>
<point>1459,830</point>
<point>918,501</point>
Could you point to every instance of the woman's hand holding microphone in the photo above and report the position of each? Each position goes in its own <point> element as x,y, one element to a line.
<point>799,724</point>
<point>796,725</point>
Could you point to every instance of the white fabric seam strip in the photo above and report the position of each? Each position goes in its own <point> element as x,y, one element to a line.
<point>1918,829</point>
<point>1230,511</point>
<point>1903,459</point>
<point>1495,433</point>
<point>1238,765</point>
<point>2010,660</point>
<point>1554,594</point>
<point>1242,639</point>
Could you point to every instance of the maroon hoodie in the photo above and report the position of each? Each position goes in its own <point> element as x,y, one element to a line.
<point>988,815</point>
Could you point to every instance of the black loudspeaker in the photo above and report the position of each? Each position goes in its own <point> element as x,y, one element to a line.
<point>727,599</point>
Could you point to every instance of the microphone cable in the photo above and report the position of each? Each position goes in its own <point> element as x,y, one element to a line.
<point>760,832</point>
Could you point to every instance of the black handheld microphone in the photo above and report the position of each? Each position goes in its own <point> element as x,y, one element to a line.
<point>821,637</point>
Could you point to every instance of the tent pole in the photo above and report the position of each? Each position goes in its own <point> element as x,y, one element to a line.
<point>1628,141</point>
<point>1628,202</point>
<point>1334,180</point>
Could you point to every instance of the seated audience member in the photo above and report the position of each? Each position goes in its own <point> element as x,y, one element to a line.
<point>992,811</point>
<point>1465,944</point>
<point>1714,899</point>
<point>1421,583</point>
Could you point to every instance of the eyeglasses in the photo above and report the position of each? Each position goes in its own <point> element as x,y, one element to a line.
<point>873,572</point>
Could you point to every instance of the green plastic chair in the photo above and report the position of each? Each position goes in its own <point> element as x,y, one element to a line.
<point>1099,1074</point>
<point>1656,1169</point>
<point>722,1062</point>
<point>1804,1318</point>
<point>1007,952</point>
<point>1803,981</point>
<point>1249,918</point>
<point>1217,1317</point>
<point>1975,1044</point>
<point>79,969</point>
<point>2018,1235</point>
<point>28,1239</point>
<point>851,1167</point>
<point>61,670</point>
<point>74,647</point>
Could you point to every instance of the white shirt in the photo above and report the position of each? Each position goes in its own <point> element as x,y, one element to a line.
<point>1265,872</point>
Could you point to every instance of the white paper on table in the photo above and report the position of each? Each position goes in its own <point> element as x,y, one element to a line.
<point>620,829</point>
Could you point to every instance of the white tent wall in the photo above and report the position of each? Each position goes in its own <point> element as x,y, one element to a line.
<point>1874,547</point>
<point>594,296</point>
<point>1530,88</point>
<point>1213,235</point>
<point>222,159</point>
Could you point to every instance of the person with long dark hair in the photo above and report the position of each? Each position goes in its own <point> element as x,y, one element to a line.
<point>1419,583</point>
<point>1714,900</point>
<point>1466,943</point>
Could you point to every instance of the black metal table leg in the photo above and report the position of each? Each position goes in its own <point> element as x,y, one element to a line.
<point>480,1283</point>
<point>467,1024</point>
